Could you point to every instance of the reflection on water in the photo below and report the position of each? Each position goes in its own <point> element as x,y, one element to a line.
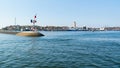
<point>61,50</point>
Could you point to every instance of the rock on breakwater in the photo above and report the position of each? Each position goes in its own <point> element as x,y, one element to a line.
<point>30,34</point>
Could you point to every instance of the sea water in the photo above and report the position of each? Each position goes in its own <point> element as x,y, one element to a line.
<point>61,49</point>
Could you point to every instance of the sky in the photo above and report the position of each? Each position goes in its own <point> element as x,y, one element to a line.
<point>92,13</point>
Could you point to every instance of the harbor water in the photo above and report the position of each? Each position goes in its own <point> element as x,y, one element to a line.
<point>61,49</point>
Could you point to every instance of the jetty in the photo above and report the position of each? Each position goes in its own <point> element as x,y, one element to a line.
<point>8,32</point>
<point>23,33</point>
<point>30,34</point>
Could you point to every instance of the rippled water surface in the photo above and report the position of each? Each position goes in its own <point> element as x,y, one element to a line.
<point>65,49</point>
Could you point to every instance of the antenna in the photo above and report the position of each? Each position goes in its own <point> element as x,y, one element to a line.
<point>15,21</point>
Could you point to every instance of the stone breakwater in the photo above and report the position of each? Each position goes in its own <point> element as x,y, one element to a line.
<point>8,32</point>
<point>30,34</point>
<point>25,33</point>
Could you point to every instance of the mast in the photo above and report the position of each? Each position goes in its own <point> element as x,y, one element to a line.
<point>15,25</point>
<point>34,21</point>
<point>15,21</point>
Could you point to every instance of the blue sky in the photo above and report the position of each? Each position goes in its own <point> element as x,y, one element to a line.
<point>92,13</point>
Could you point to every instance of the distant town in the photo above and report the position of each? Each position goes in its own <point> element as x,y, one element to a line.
<point>58,28</point>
